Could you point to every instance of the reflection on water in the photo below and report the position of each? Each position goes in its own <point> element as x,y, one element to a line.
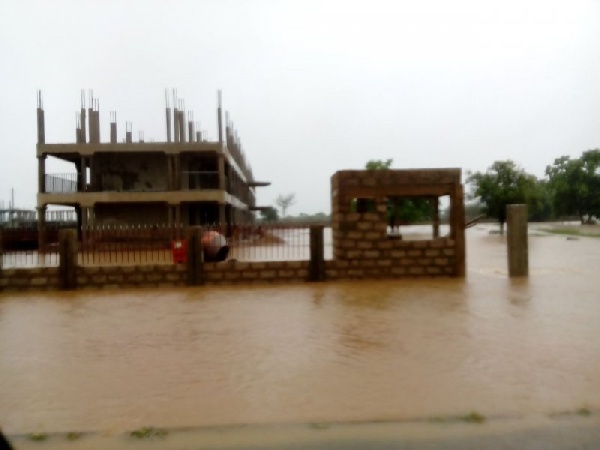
<point>119,360</point>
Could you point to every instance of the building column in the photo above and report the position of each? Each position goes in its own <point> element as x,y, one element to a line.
<point>222,178</point>
<point>92,174</point>
<point>85,211</point>
<point>169,215</point>
<point>177,209</point>
<point>42,173</point>
<point>222,218</point>
<point>170,182</point>
<point>177,171</point>
<point>81,174</point>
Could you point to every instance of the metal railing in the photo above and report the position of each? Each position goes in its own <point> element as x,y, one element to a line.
<point>61,183</point>
<point>201,179</point>
<point>20,248</point>
<point>122,245</point>
<point>127,245</point>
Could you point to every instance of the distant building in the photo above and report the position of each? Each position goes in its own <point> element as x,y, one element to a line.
<point>185,180</point>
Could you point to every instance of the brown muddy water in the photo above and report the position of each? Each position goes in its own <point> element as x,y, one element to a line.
<point>112,361</point>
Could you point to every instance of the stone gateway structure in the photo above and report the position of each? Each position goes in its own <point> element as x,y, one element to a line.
<point>362,245</point>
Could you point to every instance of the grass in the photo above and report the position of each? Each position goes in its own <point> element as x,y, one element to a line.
<point>148,432</point>
<point>73,436</point>
<point>584,412</point>
<point>570,232</point>
<point>319,426</point>
<point>473,417</point>
<point>37,437</point>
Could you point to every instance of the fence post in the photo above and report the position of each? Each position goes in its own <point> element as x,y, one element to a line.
<point>516,240</point>
<point>316,264</point>
<point>67,248</point>
<point>1,253</point>
<point>195,257</point>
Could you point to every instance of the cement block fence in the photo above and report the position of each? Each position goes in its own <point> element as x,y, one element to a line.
<point>385,259</point>
<point>70,274</point>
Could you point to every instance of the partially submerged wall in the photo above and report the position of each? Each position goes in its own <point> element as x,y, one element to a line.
<point>362,247</point>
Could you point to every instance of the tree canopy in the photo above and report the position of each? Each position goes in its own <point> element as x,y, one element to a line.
<point>378,164</point>
<point>269,215</point>
<point>502,184</point>
<point>284,202</point>
<point>575,185</point>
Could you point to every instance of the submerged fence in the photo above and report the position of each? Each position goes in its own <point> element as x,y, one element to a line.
<point>113,245</point>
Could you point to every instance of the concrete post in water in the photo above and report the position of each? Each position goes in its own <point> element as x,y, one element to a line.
<point>316,265</point>
<point>195,256</point>
<point>516,241</point>
<point>67,248</point>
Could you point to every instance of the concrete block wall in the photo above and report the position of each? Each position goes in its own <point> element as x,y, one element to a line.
<point>361,246</point>
<point>158,275</point>
<point>36,279</point>
<point>396,259</point>
<point>256,272</point>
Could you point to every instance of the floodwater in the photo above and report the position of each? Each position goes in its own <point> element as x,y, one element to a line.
<point>112,361</point>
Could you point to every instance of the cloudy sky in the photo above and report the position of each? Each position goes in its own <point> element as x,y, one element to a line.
<point>312,86</point>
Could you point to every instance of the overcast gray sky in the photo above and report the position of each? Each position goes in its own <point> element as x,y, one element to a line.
<point>312,86</point>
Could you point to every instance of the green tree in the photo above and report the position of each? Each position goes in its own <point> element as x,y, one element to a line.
<point>284,202</point>
<point>575,185</point>
<point>407,210</point>
<point>378,164</point>
<point>502,184</point>
<point>269,214</point>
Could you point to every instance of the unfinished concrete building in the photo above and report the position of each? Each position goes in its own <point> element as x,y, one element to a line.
<point>186,179</point>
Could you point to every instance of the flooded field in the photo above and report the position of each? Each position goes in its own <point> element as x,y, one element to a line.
<point>113,361</point>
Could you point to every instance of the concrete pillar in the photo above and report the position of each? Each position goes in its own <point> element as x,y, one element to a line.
<point>168,117</point>
<point>90,113</point>
<point>170,173</point>
<point>177,171</point>
<point>67,248</point>
<point>316,264</point>
<point>81,174</point>
<point>181,123</point>
<point>85,212</point>
<point>221,167</point>
<point>170,217</point>
<point>457,229</point>
<point>41,128</point>
<point>41,173</point>
<point>516,240</point>
<point>190,131</point>
<point>435,203</point>
<point>41,223</point>
<point>92,173</point>
<point>113,133</point>
<point>220,119</point>
<point>177,208</point>
<point>222,217</point>
<point>195,256</point>
<point>82,129</point>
